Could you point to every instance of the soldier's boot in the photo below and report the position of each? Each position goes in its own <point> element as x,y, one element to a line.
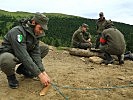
<point>109,59</point>
<point>12,81</point>
<point>22,70</point>
<point>121,59</point>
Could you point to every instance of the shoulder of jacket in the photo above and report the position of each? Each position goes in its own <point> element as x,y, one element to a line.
<point>107,30</point>
<point>21,29</point>
<point>77,31</point>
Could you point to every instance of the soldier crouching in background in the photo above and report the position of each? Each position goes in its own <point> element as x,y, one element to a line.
<point>81,38</point>
<point>112,43</point>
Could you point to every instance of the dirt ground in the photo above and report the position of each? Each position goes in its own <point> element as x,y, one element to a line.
<point>74,79</point>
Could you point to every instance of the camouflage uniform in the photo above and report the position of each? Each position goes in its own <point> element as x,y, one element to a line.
<point>20,45</point>
<point>115,43</point>
<point>79,39</point>
<point>112,41</point>
<point>99,27</point>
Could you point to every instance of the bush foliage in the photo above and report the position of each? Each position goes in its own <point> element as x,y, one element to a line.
<point>61,27</point>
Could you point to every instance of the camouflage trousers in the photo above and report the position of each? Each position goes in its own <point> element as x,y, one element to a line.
<point>8,61</point>
<point>98,41</point>
<point>84,46</point>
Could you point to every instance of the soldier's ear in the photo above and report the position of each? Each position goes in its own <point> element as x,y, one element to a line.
<point>33,22</point>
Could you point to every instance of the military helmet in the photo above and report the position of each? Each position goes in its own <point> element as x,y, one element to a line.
<point>85,25</point>
<point>41,19</point>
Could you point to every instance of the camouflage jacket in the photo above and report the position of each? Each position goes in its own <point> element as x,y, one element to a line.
<point>80,37</point>
<point>22,42</point>
<point>100,25</point>
<point>115,42</point>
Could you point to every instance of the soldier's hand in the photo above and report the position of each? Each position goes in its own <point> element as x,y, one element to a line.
<point>44,79</point>
<point>89,40</point>
<point>46,75</point>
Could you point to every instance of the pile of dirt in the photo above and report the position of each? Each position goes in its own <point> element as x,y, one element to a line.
<point>74,78</point>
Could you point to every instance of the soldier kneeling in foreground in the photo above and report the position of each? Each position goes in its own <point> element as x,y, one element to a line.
<point>21,45</point>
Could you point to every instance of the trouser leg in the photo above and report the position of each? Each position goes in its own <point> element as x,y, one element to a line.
<point>84,45</point>
<point>121,59</point>
<point>109,59</point>
<point>98,41</point>
<point>108,56</point>
<point>7,63</point>
<point>23,70</point>
<point>44,49</point>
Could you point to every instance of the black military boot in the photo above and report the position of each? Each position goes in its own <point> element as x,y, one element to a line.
<point>22,70</point>
<point>12,81</point>
<point>109,59</point>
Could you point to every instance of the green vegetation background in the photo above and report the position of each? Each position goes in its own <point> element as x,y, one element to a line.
<point>61,27</point>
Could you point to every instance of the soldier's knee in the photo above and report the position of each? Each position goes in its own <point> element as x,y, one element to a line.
<point>7,63</point>
<point>44,49</point>
<point>6,58</point>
